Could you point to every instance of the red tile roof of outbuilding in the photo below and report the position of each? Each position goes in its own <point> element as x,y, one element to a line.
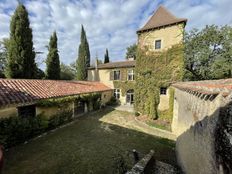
<point>20,91</point>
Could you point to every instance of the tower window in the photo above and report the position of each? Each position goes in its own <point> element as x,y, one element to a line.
<point>158,44</point>
<point>163,91</point>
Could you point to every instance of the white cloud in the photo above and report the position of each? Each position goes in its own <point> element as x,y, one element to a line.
<point>109,24</point>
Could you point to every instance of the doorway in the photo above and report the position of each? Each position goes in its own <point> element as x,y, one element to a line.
<point>130,96</point>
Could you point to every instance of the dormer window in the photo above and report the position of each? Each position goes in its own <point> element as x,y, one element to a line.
<point>158,44</point>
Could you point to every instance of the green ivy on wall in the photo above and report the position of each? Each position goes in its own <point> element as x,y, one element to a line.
<point>154,70</point>
<point>124,86</point>
<point>92,97</point>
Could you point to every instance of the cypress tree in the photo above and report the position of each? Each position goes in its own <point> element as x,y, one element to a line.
<point>53,61</point>
<point>107,59</point>
<point>20,51</point>
<point>83,61</point>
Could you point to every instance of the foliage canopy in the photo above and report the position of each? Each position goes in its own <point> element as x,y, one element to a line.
<point>208,53</point>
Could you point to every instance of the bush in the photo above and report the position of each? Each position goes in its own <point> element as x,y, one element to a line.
<point>59,119</point>
<point>137,114</point>
<point>16,130</point>
<point>113,101</point>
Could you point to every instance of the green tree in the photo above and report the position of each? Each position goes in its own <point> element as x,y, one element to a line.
<point>107,59</point>
<point>3,56</point>
<point>208,53</point>
<point>83,60</point>
<point>67,72</point>
<point>20,52</point>
<point>131,51</point>
<point>53,61</point>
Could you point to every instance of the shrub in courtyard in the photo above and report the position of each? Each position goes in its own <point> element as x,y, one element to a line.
<point>16,130</point>
<point>59,119</point>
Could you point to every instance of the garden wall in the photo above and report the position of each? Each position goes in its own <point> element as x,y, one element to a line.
<point>190,108</point>
<point>49,111</point>
<point>201,132</point>
<point>8,112</point>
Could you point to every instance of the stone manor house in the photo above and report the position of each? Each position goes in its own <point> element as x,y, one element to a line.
<point>162,31</point>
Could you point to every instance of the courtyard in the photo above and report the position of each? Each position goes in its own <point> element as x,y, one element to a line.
<point>92,144</point>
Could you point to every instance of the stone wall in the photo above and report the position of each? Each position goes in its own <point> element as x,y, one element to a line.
<point>164,101</point>
<point>8,112</point>
<point>169,36</point>
<point>53,110</point>
<point>106,96</point>
<point>190,108</point>
<point>196,118</point>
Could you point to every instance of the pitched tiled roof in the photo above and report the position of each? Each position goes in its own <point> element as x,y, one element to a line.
<point>122,64</point>
<point>223,86</point>
<point>162,17</point>
<point>19,92</point>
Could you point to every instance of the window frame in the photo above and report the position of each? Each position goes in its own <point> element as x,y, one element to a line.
<point>163,90</point>
<point>160,46</point>
<point>132,74</point>
<point>114,75</point>
<point>117,93</point>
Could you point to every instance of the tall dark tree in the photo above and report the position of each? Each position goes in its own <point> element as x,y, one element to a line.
<point>83,60</point>
<point>20,53</point>
<point>53,61</point>
<point>107,59</point>
<point>3,56</point>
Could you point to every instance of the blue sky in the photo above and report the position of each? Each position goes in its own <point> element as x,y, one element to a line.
<point>109,24</point>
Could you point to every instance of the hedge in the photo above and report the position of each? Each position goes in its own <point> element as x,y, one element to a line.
<point>16,130</point>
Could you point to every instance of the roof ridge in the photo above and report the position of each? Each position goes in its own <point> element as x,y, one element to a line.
<point>161,17</point>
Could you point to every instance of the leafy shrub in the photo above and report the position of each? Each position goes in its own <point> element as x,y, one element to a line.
<point>15,130</point>
<point>59,119</point>
<point>112,102</point>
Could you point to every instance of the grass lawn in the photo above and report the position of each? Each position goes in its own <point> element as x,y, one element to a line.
<point>87,146</point>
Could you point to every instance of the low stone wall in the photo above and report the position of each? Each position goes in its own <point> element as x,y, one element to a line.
<point>144,165</point>
<point>8,112</point>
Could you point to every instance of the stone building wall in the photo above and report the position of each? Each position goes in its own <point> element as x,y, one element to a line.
<point>8,112</point>
<point>103,76</point>
<point>164,101</point>
<point>169,36</point>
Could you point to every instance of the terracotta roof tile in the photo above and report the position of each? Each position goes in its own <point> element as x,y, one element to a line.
<point>162,17</point>
<point>121,64</point>
<point>19,91</point>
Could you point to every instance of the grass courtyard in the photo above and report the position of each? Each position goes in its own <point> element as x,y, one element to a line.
<point>87,146</point>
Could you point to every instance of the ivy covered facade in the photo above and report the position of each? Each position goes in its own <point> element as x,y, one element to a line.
<point>159,62</point>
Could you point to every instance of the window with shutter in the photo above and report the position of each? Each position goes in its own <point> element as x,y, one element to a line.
<point>112,75</point>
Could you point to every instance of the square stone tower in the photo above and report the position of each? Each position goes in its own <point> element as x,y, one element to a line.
<point>162,31</point>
